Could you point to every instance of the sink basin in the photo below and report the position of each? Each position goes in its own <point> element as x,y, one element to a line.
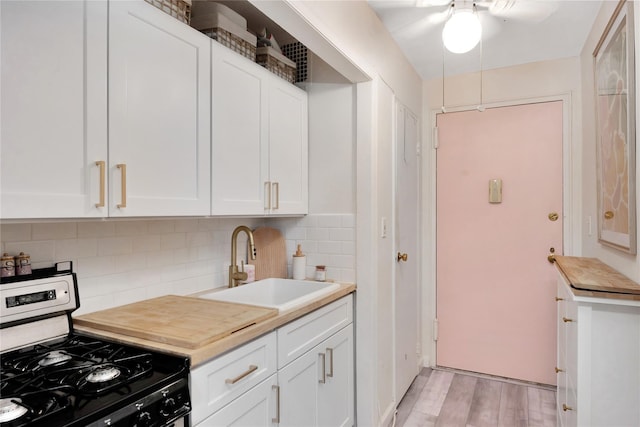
<point>283,294</point>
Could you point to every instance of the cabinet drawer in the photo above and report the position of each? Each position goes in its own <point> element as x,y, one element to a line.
<point>218,382</point>
<point>256,408</point>
<point>301,335</point>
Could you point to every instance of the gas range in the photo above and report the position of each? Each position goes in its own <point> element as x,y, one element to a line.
<point>51,375</point>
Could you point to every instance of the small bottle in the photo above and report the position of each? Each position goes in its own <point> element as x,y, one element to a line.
<point>299,264</point>
<point>23,264</point>
<point>8,266</point>
<point>321,273</point>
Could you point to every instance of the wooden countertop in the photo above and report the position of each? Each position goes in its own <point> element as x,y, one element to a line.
<point>590,277</point>
<point>208,351</point>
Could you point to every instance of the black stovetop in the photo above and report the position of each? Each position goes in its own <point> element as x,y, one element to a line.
<point>75,380</point>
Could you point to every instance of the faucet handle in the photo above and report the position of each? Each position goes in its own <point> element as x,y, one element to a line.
<point>242,266</point>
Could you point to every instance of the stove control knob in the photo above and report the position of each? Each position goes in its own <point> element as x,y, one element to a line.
<point>168,407</point>
<point>143,420</point>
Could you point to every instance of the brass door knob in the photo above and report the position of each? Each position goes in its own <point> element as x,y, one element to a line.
<point>401,257</point>
<point>608,215</point>
<point>551,257</point>
<point>553,216</point>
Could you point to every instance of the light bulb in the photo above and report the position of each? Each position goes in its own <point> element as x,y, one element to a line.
<point>462,31</point>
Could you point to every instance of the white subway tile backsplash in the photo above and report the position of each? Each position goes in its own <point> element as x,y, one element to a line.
<point>96,229</point>
<point>122,261</point>
<point>131,228</point>
<point>70,249</point>
<point>15,232</point>
<point>115,246</point>
<point>56,230</point>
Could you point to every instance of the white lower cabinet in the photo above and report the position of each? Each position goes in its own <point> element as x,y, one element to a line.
<point>598,360</point>
<point>313,387</point>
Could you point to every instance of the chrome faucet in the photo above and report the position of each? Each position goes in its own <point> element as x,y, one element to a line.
<point>236,276</point>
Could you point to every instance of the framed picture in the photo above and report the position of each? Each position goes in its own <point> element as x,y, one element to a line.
<point>614,67</point>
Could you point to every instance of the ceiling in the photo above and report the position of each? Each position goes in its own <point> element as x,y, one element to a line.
<point>530,31</point>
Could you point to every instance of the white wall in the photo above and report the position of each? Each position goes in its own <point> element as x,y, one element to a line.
<point>625,263</point>
<point>332,153</point>
<point>558,78</point>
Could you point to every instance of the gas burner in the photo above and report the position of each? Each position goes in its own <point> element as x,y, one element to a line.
<point>11,409</point>
<point>54,358</point>
<point>103,374</point>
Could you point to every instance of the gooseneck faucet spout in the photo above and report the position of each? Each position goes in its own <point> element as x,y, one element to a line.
<point>236,276</point>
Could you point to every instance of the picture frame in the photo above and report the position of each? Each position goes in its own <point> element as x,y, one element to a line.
<point>614,82</point>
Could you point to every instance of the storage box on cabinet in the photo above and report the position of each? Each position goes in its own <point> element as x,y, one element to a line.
<point>217,383</point>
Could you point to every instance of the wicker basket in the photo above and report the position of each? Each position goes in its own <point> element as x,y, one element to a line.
<point>277,63</point>
<point>179,9</point>
<point>232,41</point>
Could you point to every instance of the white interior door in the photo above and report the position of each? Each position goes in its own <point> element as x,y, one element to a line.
<point>406,234</point>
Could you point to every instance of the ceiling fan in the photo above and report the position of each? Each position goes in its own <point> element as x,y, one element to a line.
<point>463,18</point>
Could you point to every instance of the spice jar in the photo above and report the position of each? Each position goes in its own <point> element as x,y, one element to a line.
<point>7,266</point>
<point>23,264</point>
<point>321,273</point>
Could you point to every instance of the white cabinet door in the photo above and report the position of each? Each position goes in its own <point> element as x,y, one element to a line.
<point>159,113</point>
<point>53,108</point>
<point>260,142</point>
<point>317,388</point>
<point>288,148</point>
<point>240,160</point>
<point>299,390</point>
<point>335,397</point>
<point>255,408</point>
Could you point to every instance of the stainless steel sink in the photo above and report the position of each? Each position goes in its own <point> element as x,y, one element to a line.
<point>283,294</point>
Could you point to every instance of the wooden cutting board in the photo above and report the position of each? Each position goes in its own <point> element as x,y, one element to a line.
<point>186,322</point>
<point>271,253</point>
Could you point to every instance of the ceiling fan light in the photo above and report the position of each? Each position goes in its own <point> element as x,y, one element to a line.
<point>462,31</point>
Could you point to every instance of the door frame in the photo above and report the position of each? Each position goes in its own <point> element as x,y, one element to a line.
<point>572,219</point>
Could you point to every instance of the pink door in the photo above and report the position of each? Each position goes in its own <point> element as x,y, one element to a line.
<point>495,287</point>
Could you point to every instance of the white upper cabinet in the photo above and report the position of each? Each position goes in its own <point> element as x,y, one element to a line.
<point>260,141</point>
<point>240,148</point>
<point>53,85</point>
<point>159,114</point>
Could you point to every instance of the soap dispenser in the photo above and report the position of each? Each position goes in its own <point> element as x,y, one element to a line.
<point>299,264</point>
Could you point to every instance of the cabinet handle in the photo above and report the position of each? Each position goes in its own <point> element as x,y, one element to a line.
<point>267,199</point>
<point>330,353</point>
<point>566,408</point>
<point>558,370</point>
<point>123,172</point>
<point>276,420</point>
<point>559,299</point>
<point>276,186</point>
<point>252,368</point>
<point>323,380</point>
<point>100,164</point>
<point>566,319</point>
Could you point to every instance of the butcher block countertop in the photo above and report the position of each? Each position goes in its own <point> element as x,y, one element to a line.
<point>590,277</point>
<point>174,324</point>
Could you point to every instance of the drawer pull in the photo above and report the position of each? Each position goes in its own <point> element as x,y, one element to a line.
<point>566,320</point>
<point>559,299</point>
<point>276,420</point>
<point>267,198</point>
<point>323,380</point>
<point>276,186</point>
<point>252,368</point>
<point>566,408</point>
<point>558,370</point>
<point>330,353</point>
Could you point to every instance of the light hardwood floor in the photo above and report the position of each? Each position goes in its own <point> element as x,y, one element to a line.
<point>452,399</point>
